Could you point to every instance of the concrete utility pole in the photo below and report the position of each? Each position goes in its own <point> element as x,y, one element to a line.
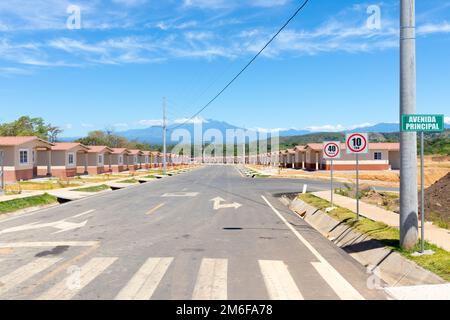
<point>408,140</point>
<point>164,137</point>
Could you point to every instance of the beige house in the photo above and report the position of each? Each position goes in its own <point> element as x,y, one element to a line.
<point>133,160</point>
<point>19,157</point>
<point>300,157</point>
<point>119,158</point>
<point>63,159</point>
<point>96,161</point>
<point>146,159</point>
<point>381,156</point>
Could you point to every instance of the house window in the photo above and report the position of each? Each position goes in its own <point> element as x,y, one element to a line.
<point>71,158</point>
<point>100,159</point>
<point>120,159</point>
<point>378,156</point>
<point>146,159</point>
<point>33,156</point>
<point>135,160</point>
<point>23,157</point>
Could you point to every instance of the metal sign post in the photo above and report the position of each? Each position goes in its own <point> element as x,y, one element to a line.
<point>331,151</point>
<point>357,143</point>
<point>422,123</point>
<point>422,194</point>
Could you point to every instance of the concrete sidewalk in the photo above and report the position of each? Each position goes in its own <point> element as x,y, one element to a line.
<point>433,234</point>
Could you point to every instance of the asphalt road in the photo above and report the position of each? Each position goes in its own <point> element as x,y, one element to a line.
<point>206,234</point>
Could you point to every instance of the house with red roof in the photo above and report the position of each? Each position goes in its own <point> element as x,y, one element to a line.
<point>119,158</point>
<point>146,159</point>
<point>97,161</point>
<point>381,156</point>
<point>63,159</point>
<point>134,160</point>
<point>19,157</point>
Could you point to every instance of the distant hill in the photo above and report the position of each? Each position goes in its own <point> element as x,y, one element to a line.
<point>435,143</point>
<point>153,135</point>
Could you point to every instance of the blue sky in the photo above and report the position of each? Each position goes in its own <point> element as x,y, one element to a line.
<point>327,71</point>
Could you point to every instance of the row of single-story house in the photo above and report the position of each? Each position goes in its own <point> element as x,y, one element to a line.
<point>24,158</point>
<point>381,156</point>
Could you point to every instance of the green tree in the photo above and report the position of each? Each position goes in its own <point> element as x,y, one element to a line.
<point>27,126</point>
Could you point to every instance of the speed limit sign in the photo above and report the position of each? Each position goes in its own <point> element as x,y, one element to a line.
<point>357,143</point>
<point>332,150</point>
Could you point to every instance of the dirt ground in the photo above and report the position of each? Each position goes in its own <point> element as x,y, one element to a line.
<point>437,202</point>
<point>436,167</point>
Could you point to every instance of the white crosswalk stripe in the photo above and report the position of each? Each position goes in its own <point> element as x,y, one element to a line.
<point>75,282</point>
<point>146,280</point>
<point>211,280</point>
<point>25,272</point>
<point>337,282</point>
<point>278,280</point>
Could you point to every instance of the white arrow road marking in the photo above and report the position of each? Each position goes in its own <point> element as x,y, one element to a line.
<point>217,204</point>
<point>180,194</point>
<point>61,225</point>
<point>83,213</point>
<point>48,244</point>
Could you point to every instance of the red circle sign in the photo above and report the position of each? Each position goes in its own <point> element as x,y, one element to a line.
<point>354,148</point>
<point>329,155</point>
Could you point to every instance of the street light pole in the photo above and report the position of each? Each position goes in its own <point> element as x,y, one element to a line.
<point>408,140</point>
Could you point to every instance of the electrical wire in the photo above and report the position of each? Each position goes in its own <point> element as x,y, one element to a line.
<point>303,5</point>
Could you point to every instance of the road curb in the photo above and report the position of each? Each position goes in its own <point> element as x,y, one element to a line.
<point>390,266</point>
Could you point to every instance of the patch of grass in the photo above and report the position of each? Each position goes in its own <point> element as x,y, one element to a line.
<point>438,263</point>
<point>50,185</point>
<point>18,204</point>
<point>150,177</point>
<point>94,189</point>
<point>128,181</point>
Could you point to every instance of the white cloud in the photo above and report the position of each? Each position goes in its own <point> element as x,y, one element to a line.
<point>227,4</point>
<point>326,128</point>
<point>195,120</point>
<point>70,45</point>
<point>432,28</point>
<point>130,3</point>
<point>150,123</point>
<point>447,120</point>
<point>87,125</point>
<point>10,71</point>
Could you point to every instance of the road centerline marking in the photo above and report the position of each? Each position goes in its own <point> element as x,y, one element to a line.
<point>180,194</point>
<point>153,210</point>
<point>334,279</point>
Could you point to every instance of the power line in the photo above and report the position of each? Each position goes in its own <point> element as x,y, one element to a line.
<point>247,65</point>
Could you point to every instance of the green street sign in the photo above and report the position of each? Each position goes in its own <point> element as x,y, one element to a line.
<point>423,123</point>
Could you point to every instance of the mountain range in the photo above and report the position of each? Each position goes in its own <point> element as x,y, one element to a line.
<point>154,135</point>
